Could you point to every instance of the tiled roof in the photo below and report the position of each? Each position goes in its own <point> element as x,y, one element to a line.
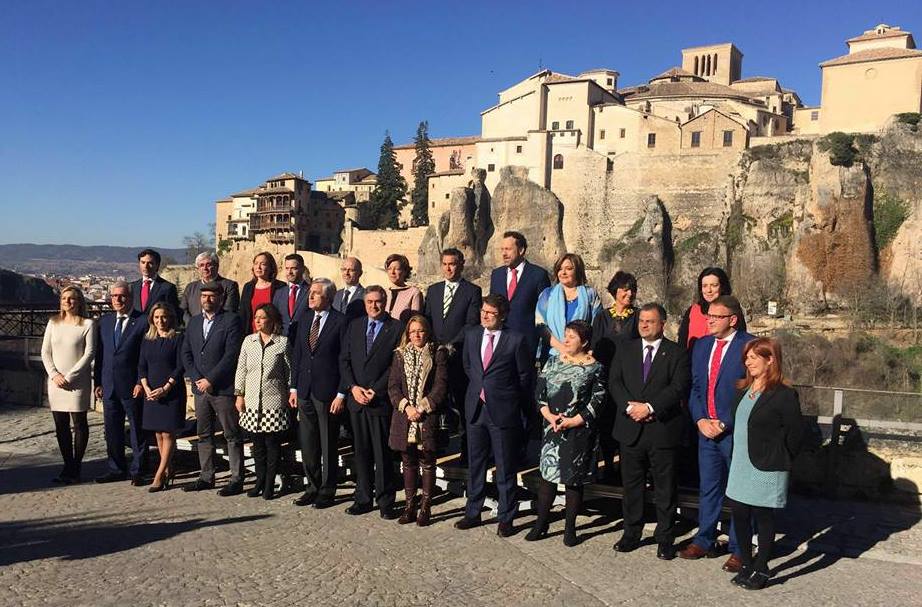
<point>873,54</point>
<point>891,32</point>
<point>352,170</point>
<point>286,175</point>
<point>754,79</point>
<point>248,193</point>
<point>279,190</point>
<point>675,72</point>
<point>666,88</point>
<point>443,142</point>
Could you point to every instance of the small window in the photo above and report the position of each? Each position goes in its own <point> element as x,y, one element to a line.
<point>569,124</point>
<point>555,125</point>
<point>728,139</point>
<point>696,139</point>
<point>518,149</point>
<point>622,133</point>
<point>609,81</point>
<point>446,198</point>
<point>814,116</point>
<point>433,185</point>
<point>651,140</point>
<point>491,167</point>
<point>602,134</point>
<point>558,161</point>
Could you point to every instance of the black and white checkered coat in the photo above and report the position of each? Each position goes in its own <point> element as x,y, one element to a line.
<point>262,379</point>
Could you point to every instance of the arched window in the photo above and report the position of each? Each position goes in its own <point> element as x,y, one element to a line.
<point>708,70</point>
<point>715,63</point>
<point>696,66</point>
<point>558,161</point>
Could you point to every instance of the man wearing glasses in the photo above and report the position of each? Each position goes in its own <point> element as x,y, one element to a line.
<point>717,363</point>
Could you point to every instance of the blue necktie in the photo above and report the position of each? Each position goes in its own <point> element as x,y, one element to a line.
<point>118,329</point>
<point>370,336</point>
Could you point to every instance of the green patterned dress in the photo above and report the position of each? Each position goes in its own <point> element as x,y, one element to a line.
<point>569,456</point>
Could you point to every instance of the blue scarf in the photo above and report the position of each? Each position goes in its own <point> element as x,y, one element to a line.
<point>556,315</point>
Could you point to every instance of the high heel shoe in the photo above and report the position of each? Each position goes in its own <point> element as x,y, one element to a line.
<point>156,488</point>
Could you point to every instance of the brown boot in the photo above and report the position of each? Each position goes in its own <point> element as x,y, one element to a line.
<point>409,512</point>
<point>425,504</point>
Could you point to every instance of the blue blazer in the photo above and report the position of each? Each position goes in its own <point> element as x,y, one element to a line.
<point>214,358</point>
<point>280,301</point>
<point>521,317</point>
<point>116,367</point>
<point>161,290</point>
<point>731,369</point>
<point>317,373</point>
<point>506,382</point>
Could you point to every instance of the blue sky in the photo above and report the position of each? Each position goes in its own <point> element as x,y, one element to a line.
<point>121,122</point>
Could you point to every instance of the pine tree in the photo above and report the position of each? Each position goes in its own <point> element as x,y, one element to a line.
<point>382,210</point>
<point>423,166</point>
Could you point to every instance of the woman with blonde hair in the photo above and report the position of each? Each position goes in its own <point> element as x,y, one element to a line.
<point>767,431</point>
<point>160,369</point>
<point>68,349</point>
<point>418,386</point>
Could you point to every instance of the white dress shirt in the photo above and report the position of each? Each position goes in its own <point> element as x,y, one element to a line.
<point>485,340</point>
<point>518,274</point>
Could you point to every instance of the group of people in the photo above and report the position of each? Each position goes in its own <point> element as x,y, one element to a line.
<point>533,358</point>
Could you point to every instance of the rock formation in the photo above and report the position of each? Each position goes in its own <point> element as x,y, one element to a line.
<point>18,289</point>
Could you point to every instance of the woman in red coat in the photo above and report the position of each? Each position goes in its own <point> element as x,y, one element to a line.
<point>417,388</point>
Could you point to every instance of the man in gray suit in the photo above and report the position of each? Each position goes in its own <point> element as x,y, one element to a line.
<point>207,265</point>
<point>349,299</point>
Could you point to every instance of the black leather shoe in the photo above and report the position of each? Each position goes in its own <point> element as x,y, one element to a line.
<point>358,509</point>
<point>756,581</point>
<point>305,500</point>
<point>389,514</point>
<point>505,529</point>
<point>111,477</point>
<point>538,532</point>
<point>231,489</point>
<point>256,491</point>
<point>467,523</point>
<point>137,481</point>
<point>744,574</point>
<point>198,485</point>
<point>322,503</point>
<point>570,538</point>
<point>627,544</point>
<point>665,552</point>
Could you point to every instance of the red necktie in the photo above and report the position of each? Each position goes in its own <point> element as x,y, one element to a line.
<point>712,378</point>
<point>487,357</point>
<point>513,283</point>
<point>292,298</point>
<point>145,293</point>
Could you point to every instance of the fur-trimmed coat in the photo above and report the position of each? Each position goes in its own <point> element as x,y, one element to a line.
<point>434,379</point>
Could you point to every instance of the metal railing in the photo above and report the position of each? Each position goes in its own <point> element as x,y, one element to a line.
<point>29,320</point>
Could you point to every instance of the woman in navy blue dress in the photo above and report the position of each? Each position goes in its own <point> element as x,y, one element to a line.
<point>160,370</point>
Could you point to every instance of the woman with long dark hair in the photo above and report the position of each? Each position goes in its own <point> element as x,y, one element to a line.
<point>712,283</point>
<point>260,289</point>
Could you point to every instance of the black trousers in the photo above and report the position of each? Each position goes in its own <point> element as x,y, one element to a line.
<point>374,463</point>
<point>635,461</point>
<point>267,451</point>
<point>318,435</point>
<point>764,517</point>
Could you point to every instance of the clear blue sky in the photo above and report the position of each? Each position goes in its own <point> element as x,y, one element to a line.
<point>122,122</point>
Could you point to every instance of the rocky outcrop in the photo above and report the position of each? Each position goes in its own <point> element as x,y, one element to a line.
<point>17,289</point>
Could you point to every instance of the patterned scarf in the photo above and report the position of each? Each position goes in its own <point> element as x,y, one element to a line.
<point>416,366</point>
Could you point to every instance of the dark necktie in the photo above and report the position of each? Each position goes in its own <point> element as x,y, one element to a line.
<point>345,303</point>
<point>647,363</point>
<point>370,336</point>
<point>487,357</point>
<point>119,322</point>
<point>315,333</point>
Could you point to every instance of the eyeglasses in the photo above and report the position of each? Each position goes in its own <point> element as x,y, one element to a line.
<point>719,316</point>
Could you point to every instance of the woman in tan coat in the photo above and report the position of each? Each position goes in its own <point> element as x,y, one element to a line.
<point>67,351</point>
<point>417,388</point>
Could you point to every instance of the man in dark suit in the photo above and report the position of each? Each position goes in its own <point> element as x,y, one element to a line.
<point>317,393</point>
<point>366,360</point>
<point>521,283</point>
<point>291,302</point>
<point>452,306</point>
<point>500,368</point>
<point>210,350</point>
<point>717,364</point>
<point>118,346</point>
<point>151,288</point>
<point>648,379</point>
<point>350,300</point>
<point>207,265</point>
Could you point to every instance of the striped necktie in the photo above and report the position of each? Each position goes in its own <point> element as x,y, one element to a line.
<point>449,295</point>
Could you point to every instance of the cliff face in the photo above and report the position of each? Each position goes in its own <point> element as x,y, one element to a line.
<point>17,288</point>
<point>788,224</point>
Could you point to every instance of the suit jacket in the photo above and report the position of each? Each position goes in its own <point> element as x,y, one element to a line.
<point>280,301</point>
<point>506,382</point>
<point>521,317</point>
<point>246,302</point>
<point>116,367</point>
<point>665,389</point>
<point>731,369</point>
<point>191,302</point>
<point>356,306</point>
<point>775,428</point>
<point>214,358</point>
<point>369,370</point>
<point>317,373</point>
<point>161,290</point>
<point>463,312</point>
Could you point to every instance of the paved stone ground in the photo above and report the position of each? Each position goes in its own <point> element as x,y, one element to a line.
<point>118,545</point>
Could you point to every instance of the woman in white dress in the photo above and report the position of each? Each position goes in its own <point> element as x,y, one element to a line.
<point>67,351</point>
